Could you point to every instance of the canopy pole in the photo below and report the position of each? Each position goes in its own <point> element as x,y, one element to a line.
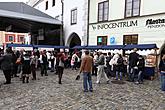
<point>156,68</point>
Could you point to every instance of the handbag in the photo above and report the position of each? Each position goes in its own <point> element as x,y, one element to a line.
<point>61,64</point>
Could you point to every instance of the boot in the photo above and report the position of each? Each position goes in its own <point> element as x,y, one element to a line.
<point>23,79</point>
<point>34,77</point>
<point>46,74</point>
<point>27,79</point>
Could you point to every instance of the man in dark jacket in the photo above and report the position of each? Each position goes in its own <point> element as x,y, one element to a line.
<point>44,65</point>
<point>133,59</point>
<point>162,73</point>
<point>6,65</point>
<point>108,58</point>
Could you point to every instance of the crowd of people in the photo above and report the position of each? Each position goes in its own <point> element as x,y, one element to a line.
<point>90,63</point>
<point>25,63</point>
<point>117,66</point>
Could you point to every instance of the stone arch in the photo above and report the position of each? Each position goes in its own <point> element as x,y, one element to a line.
<point>73,40</point>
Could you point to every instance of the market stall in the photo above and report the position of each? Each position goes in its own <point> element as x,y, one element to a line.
<point>20,47</point>
<point>150,57</point>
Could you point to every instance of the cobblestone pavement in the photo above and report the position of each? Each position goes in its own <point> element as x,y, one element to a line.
<point>46,94</point>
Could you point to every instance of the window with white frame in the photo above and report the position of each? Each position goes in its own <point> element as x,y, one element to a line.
<point>73,16</point>
<point>132,8</point>
<point>103,11</point>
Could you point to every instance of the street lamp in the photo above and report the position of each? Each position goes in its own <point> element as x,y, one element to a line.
<point>62,21</point>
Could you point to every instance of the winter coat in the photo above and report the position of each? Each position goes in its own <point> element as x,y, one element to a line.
<point>6,62</point>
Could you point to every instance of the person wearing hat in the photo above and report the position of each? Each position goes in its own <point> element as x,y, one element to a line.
<point>133,59</point>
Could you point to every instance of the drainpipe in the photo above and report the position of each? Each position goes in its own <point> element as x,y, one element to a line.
<point>62,21</point>
<point>88,23</point>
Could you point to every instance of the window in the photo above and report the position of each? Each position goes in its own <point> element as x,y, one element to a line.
<point>73,16</point>
<point>101,40</point>
<point>53,2</point>
<point>132,8</point>
<point>130,39</point>
<point>46,6</point>
<point>21,39</point>
<point>11,39</point>
<point>103,8</point>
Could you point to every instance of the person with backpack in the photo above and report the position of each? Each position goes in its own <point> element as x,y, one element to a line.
<point>26,68</point>
<point>119,67</point>
<point>140,65</point>
<point>101,70</point>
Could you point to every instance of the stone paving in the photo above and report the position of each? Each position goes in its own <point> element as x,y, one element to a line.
<point>46,94</point>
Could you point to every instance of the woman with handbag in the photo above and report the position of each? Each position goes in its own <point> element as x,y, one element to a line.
<point>60,66</point>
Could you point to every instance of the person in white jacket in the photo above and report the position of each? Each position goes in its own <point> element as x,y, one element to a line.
<point>113,63</point>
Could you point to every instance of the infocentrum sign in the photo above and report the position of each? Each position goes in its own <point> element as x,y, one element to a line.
<point>114,25</point>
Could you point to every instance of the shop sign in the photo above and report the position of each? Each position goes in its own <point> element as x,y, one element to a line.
<point>114,25</point>
<point>112,40</point>
<point>157,23</point>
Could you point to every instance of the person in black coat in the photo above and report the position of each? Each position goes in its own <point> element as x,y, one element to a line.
<point>133,59</point>
<point>60,66</point>
<point>119,67</point>
<point>6,65</point>
<point>108,58</point>
<point>45,63</point>
<point>15,65</point>
<point>140,65</point>
<point>26,68</point>
<point>162,72</point>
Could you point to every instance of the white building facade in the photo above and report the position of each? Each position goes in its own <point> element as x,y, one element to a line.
<point>75,15</point>
<point>127,22</point>
<point>50,7</point>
